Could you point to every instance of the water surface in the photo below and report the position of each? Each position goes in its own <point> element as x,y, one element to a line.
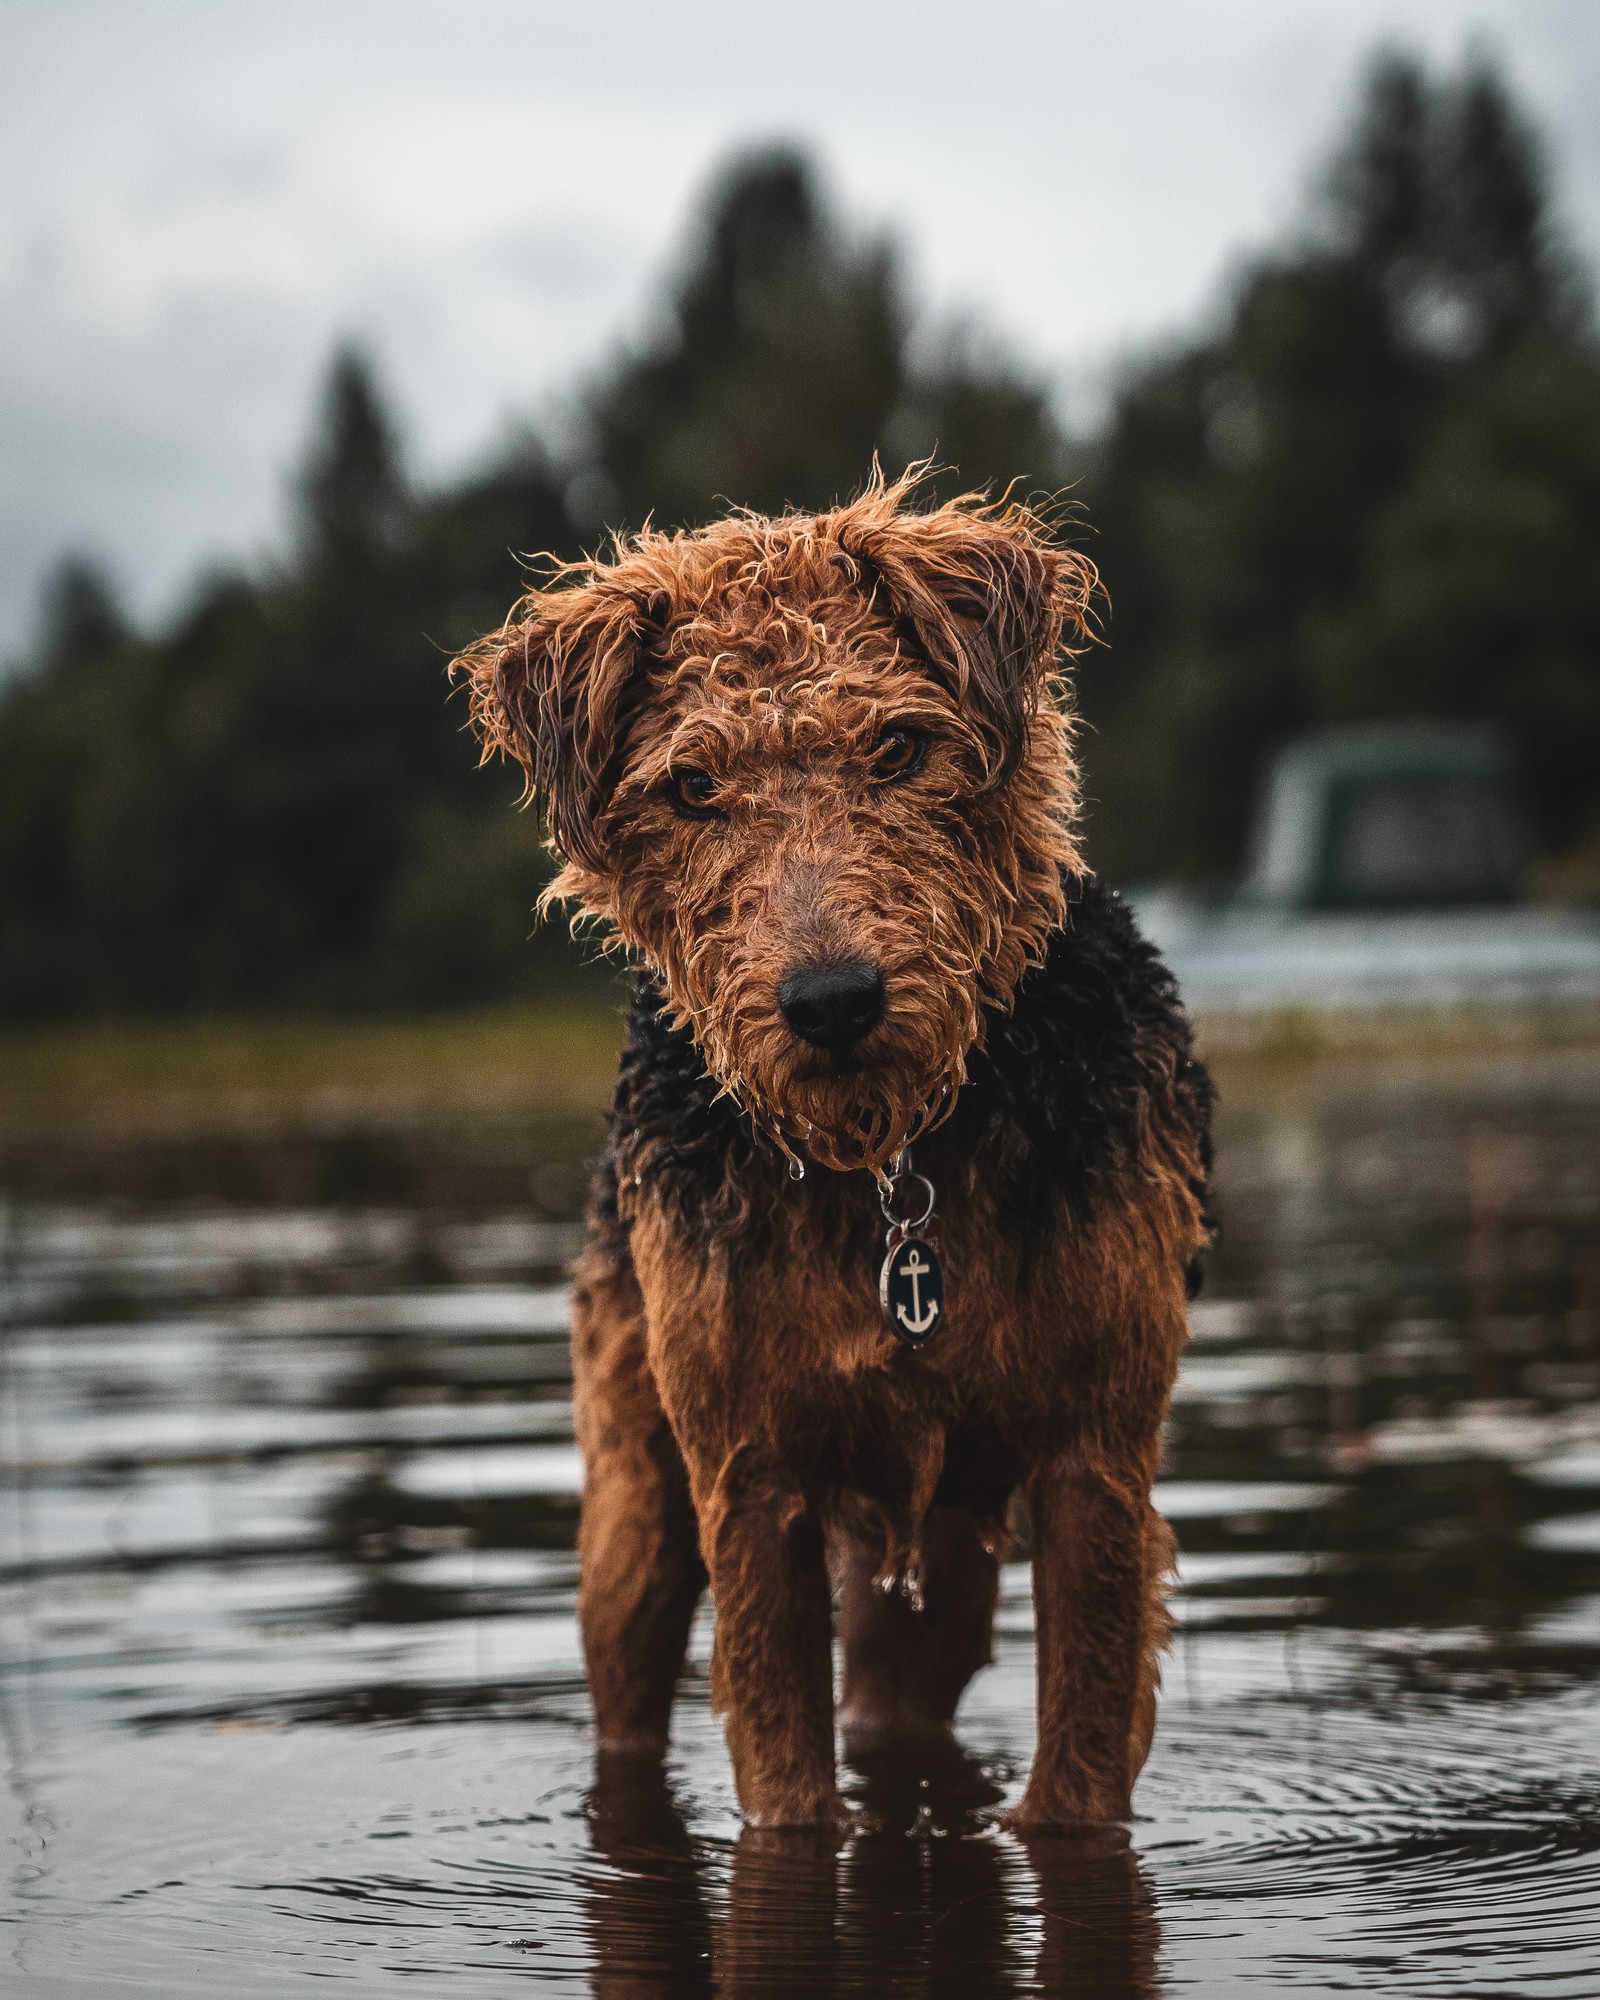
<point>292,1689</point>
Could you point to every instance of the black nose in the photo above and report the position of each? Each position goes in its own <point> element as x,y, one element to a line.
<point>833,1006</point>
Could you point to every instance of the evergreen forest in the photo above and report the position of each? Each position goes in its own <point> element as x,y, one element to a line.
<point>1369,487</point>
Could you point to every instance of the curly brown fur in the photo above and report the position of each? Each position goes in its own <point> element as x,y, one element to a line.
<point>829,741</point>
<point>771,655</point>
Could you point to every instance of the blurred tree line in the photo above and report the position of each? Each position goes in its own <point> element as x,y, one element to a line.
<point>1373,489</point>
<point>1373,492</point>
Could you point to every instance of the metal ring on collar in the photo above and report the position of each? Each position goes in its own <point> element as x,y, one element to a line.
<point>908,1223</point>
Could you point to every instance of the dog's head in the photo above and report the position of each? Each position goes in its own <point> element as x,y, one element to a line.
<point>816,772</point>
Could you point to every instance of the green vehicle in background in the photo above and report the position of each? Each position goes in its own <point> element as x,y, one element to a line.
<point>1390,869</point>
<point>1391,816</point>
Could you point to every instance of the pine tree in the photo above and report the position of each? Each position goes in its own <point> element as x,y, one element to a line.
<point>353,490</point>
<point>81,621</point>
<point>1277,503</point>
<point>778,371</point>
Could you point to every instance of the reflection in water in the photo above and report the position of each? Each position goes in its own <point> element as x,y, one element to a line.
<point>926,1899</point>
<point>291,1683</point>
<point>647,1907</point>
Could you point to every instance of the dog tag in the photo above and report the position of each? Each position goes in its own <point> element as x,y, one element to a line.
<point>911,1285</point>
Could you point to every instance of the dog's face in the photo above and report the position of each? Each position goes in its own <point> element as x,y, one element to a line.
<point>812,771</point>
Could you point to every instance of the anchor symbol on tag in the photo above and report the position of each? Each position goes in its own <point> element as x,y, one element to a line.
<point>916,1322</point>
<point>911,1287</point>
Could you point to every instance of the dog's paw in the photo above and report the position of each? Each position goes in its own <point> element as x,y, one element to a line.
<point>1102,1823</point>
<point>865,1732</point>
<point>828,1817</point>
<point>630,1746</point>
<point>1095,1837</point>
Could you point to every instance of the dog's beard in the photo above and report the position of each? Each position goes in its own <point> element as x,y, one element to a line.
<point>855,1111</point>
<point>862,1128</point>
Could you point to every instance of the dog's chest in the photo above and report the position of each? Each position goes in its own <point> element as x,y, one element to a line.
<point>870,1358</point>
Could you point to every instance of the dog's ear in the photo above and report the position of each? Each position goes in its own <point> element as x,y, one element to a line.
<point>556,688</point>
<point>984,597</point>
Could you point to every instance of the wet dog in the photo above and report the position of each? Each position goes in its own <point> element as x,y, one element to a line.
<point>815,774</point>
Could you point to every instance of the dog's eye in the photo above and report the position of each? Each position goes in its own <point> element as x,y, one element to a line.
<point>900,752</point>
<point>693,794</point>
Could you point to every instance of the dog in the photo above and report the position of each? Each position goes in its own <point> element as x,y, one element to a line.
<point>905,1192</point>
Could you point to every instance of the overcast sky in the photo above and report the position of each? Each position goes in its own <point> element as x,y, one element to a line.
<point>198,197</point>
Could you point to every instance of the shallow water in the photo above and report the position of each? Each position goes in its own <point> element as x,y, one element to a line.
<point>292,1687</point>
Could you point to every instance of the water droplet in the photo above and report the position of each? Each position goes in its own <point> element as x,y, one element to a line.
<point>637,1177</point>
<point>797,1168</point>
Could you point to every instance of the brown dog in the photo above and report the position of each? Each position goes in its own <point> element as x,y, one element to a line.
<point>814,773</point>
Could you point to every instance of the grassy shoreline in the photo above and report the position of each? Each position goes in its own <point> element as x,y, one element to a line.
<point>229,1073</point>
<point>240,1074</point>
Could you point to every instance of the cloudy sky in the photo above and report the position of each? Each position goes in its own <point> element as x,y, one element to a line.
<point>198,197</point>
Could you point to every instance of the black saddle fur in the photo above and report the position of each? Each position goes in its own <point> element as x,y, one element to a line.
<point>1095,1047</point>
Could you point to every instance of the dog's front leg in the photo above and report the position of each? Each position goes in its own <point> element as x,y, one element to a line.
<point>1098,1552</point>
<point>641,1559</point>
<point>772,1669</point>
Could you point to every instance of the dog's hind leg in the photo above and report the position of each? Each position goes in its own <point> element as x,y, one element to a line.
<point>642,1573</point>
<point>905,1668</point>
